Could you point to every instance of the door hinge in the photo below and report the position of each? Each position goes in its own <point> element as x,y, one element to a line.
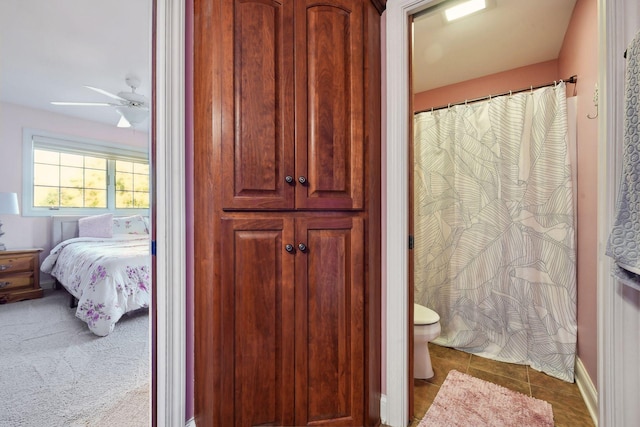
<point>153,247</point>
<point>410,241</point>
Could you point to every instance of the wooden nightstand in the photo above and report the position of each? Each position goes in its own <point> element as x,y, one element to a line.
<point>20,275</point>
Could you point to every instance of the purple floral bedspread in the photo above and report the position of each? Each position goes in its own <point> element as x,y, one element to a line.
<point>108,276</point>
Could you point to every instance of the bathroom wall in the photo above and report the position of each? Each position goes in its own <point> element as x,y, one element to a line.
<point>518,78</point>
<point>578,56</point>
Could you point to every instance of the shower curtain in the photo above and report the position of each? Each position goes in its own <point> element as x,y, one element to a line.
<point>494,250</point>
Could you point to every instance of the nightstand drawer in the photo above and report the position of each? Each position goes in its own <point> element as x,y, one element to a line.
<point>16,263</point>
<point>20,275</point>
<point>16,281</point>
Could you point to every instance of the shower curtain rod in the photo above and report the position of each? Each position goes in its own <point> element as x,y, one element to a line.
<point>572,79</point>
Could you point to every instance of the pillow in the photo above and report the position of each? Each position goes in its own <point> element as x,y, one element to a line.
<point>96,226</point>
<point>129,225</point>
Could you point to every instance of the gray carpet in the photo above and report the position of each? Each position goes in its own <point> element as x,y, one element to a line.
<point>55,372</point>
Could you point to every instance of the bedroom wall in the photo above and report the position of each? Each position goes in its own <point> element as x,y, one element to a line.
<point>577,56</point>
<point>35,232</point>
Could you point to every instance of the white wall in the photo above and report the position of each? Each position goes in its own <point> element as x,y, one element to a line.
<point>35,232</point>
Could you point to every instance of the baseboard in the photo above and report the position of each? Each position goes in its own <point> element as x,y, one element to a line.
<point>587,389</point>
<point>190,423</point>
<point>383,408</point>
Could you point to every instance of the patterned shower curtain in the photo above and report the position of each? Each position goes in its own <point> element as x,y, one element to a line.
<point>494,229</point>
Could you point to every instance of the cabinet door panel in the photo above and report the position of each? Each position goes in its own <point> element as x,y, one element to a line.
<point>329,104</point>
<point>257,143</point>
<point>258,344</point>
<point>329,322</point>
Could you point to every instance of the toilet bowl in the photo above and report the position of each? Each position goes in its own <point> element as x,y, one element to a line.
<point>426,327</point>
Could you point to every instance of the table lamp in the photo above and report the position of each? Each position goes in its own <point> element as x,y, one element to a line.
<point>8,206</point>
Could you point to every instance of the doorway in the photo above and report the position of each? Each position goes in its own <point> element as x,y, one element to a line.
<point>399,336</point>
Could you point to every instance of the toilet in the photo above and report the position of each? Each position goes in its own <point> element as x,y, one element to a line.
<point>426,327</point>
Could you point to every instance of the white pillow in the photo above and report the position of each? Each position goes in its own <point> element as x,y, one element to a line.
<point>129,225</point>
<point>96,226</point>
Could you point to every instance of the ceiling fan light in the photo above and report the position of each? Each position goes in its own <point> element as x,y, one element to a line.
<point>132,115</point>
<point>123,123</point>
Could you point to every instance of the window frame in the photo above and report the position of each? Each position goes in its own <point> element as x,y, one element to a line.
<point>34,138</point>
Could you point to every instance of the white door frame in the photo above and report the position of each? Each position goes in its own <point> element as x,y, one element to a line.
<point>397,69</point>
<point>618,372</point>
<point>169,168</point>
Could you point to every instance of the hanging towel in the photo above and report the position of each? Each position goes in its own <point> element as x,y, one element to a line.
<point>624,241</point>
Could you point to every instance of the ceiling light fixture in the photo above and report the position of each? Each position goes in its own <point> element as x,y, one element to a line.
<point>464,9</point>
<point>130,116</point>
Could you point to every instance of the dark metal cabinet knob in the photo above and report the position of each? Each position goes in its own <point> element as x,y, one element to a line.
<point>288,179</point>
<point>302,247</point>
<point>302,180</point>
<point>289,248</point>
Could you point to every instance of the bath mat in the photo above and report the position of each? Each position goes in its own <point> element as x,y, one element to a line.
<point>464,401</point>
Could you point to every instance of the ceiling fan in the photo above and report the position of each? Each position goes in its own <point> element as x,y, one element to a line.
<point>132,107</point>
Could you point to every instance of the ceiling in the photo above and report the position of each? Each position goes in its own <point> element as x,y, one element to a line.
<point>507,35</point>
<point>50,49</point>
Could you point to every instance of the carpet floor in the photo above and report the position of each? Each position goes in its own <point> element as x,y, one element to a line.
<point>55,372</point>
<point>464,401</point>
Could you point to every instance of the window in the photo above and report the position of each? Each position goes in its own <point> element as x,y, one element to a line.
<point>82,177</point>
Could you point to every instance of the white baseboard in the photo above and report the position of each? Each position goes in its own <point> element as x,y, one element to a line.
<point>587,389</point>
<point>383,408</point>
<point>191,423</point>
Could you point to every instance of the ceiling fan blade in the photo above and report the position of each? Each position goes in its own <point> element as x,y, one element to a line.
<point>123,123</point>
<point>83,104</point>
<point>104,92</point>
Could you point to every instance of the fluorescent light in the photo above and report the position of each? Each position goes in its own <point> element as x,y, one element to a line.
<point>464,9</point>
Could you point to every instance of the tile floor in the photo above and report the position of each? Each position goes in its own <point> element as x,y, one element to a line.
<point>569,409</point>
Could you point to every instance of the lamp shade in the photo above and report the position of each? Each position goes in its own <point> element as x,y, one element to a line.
<point>9,204</point>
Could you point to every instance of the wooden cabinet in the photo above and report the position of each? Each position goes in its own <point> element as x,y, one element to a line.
<point>292,112</point>
<point>287,153</point>
<point>293,321</point>
<point>20,275</point>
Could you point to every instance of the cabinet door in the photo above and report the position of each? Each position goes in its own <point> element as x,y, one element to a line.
<point>257,104</point>
<point>329,322</point>
<point>329,104</point>
<point>257,322</point>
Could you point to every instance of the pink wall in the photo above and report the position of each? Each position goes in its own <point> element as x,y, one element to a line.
<point>35,232</point>
<point>532,75</point>
<point>579,55</point>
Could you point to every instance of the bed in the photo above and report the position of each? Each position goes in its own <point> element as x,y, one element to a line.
<point>109,273</point>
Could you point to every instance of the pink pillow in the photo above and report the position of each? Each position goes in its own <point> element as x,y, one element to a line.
<point>96,226</point>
